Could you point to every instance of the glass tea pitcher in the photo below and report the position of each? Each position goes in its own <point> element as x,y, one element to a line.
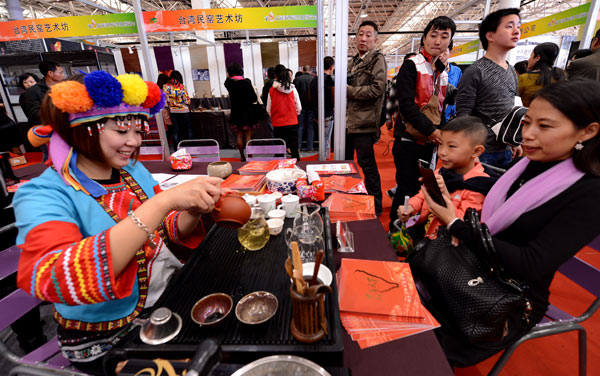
<point>308,213</point>
<point>309,241</point>
<point>255,233</point>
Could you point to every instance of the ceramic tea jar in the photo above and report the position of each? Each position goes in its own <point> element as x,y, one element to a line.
<point>221,169</point>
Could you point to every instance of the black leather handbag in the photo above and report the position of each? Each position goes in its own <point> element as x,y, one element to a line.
<point>465,287</point>
<point>257,112</point>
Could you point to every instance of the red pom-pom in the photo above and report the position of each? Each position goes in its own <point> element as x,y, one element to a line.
<point>153,95</point>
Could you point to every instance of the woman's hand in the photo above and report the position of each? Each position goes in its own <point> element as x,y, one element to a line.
<point>196,196</point>
<point>444,214</point>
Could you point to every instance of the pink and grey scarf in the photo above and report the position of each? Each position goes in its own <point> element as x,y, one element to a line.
<point>499,213</point>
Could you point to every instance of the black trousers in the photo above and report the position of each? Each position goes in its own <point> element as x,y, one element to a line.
<point>363,144</point>
<point>289,133</point>
<point>406,154</point>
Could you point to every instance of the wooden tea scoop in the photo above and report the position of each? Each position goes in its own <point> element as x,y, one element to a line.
<point>289,268</point>
<point>297,261</point>
<point>318,259</point>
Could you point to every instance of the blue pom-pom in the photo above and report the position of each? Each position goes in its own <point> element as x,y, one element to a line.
<point>160,105</point>
<point>104,89</point>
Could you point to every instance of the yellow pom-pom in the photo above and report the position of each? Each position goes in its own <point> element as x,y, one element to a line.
<point>71,97</point>
<point>135,89</point>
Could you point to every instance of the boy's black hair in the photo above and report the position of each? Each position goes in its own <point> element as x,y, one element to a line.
<point>328,62</point>
<point>471,126</point>
<point>439,23</point>
<point>47,66</point>
<point>369,23</point>
<point>271,73</point>
<point>491,23</point>
<point>235,69</point>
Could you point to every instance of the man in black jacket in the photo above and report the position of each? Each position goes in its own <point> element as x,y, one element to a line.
<point>53,73</point>
<point>306,117</point>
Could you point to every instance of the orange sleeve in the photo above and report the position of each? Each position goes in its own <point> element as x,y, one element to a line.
<point>469,199</point>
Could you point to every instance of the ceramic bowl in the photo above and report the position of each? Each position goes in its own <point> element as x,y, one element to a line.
<point>324,275</point>
<point>284,180</point>
<point>256,307</point>
<point>275,225</point>
<point>212,309</point>
<point>162,327</point>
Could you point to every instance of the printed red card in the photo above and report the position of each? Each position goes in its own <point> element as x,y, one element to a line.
<point>378,287</point>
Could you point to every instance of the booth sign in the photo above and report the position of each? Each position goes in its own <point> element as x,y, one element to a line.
<point>289,17</point>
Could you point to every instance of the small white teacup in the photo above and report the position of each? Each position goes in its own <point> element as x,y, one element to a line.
<point>266,202</point>
<point>289,203</point>
<point>275,226</point>
<point>250,199</point>
<point>277,214</point>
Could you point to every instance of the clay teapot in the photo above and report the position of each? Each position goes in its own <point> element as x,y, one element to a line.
<point>231,211</point>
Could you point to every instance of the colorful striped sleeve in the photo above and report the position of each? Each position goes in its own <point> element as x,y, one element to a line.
<point>170,224</point>
<point>58,265</point>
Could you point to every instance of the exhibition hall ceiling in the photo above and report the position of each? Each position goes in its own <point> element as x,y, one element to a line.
<point>399,20</point>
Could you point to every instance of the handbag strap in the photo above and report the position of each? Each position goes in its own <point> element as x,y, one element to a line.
<point>436,89</point>
<point>484,245</point>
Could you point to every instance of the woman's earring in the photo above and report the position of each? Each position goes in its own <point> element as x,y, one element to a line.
<point>579,146</point>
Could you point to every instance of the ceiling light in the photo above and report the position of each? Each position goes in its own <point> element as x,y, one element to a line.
<point>363,11</point>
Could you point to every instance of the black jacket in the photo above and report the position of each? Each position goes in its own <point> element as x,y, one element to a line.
<point>302,84</point>
<point>33,102</point>
<point>265,91</point>
<point>242,95</point>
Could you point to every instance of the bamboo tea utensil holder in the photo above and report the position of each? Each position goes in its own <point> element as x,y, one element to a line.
<point>309,323</point>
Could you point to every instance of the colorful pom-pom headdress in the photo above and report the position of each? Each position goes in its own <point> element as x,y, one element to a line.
<point>100,96</point>
<point>103,96</point>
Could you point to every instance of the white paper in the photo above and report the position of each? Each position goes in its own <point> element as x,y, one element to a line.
<point>175,181</point>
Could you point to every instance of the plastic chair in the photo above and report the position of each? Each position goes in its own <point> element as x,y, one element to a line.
<point>557,321</point>
<point>265,149</point>
<point>202,150</point>
<point>46,359</point>
<point>152,150</point>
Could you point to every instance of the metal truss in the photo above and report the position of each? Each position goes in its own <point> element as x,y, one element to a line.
<point>407,16</point>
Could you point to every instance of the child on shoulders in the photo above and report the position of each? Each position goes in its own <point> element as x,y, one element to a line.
<point>463,141</point>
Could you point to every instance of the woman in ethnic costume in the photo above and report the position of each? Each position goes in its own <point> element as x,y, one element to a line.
<point>92,228</point>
